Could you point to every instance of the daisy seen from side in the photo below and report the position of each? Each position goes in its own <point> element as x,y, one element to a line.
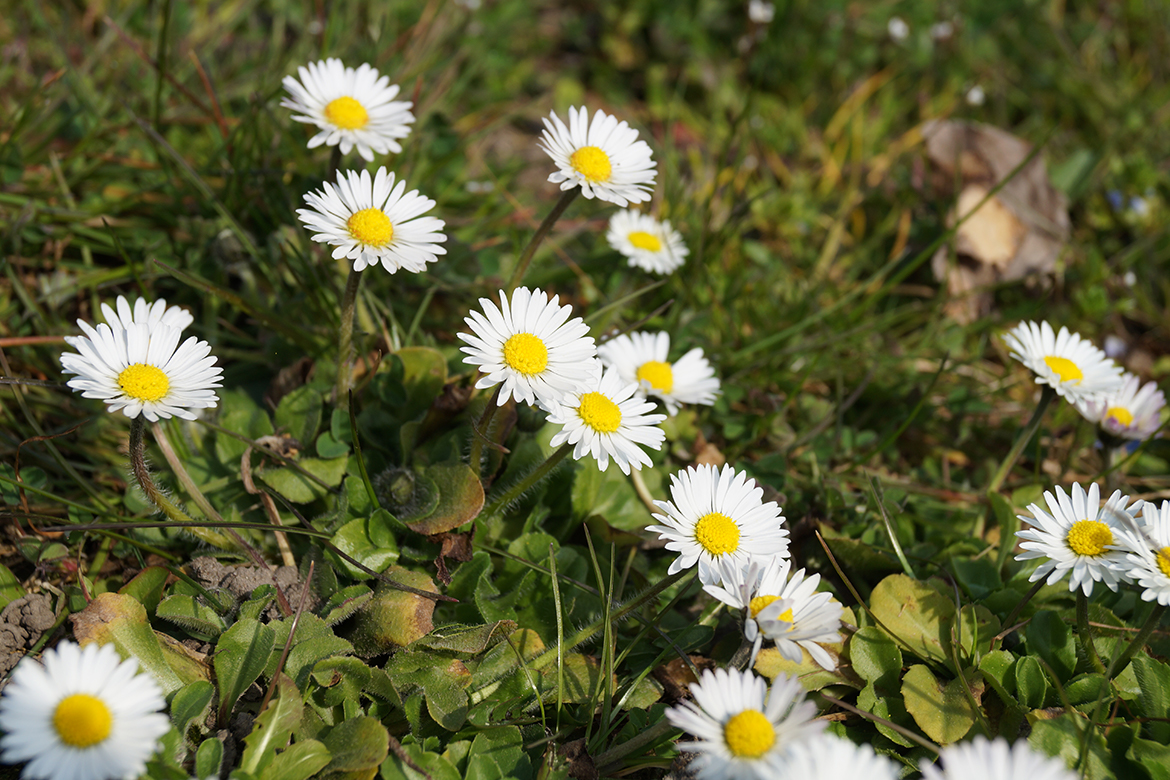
<point>1073,367</point>
<point>532,346</point>
<point>84,715</point>
<point>644,358</point>
<point>604,157</point>
<point>744,730</point>
<point>718,518</point>
<point>1133,411</point>
<point>139,367</point>
<point>609,421</point>
<point>645,242</point>
<point>827,757</point>
<point>372,220</point>
<point>352,108</point>
<point>1077,536</point>
<point>982,758</point>
<point>1147,548</point>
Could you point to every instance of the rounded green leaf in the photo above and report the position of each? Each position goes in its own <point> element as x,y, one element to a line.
<point>941,710</point>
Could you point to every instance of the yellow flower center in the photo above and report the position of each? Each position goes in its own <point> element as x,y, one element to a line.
<point>370,227</point>
<point>1089,537</point>
<point>1064,368</point>
<point>749,734</point>
<point>717,533</point>
<point>146,383</point>
<point>643,240</point>
<point>591,163</point>
<point>1164,560</point>
<point>658,374</point>
<point>526,354</point>
<point>599,413</point>
<point>786,616</point>
<point>1123,416</point>
<point>347,113</point>
<point>757,604</point>
<point>82,720</point>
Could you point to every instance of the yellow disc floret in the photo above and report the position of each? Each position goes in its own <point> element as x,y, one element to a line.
<point>1123,416</point>
<point>1089,537</point>
<point>1163,557</point>
<point>526,354</point>
<point>1067,370</point>
<point>347,113</point>
<point>599,413</point>
<point>370,227</point>
<point>643,240</point>
<point>658,374</point>
<point>717,533</point>
<point>82,720</point>
<point>592,163</point>
<point>749,734</point>
<point>756,605</point>
<point>144,382</point>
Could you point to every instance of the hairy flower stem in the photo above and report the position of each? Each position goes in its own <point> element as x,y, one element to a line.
<point>517,490</point>
<point>1138,642</point>
<point>1029,431</point>
<point>529,251</point>
<point>481,430</point>
<point>345,345</point>
<point>1085,633</point>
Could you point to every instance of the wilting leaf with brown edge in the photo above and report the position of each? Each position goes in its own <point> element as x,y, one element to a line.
<point>394,618</point>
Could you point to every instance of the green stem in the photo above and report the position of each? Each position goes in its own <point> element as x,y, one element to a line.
<point>517,490</point>
<point>1085,633</point>
<point>1138,642</point>
<point>345,345</point>
<point>529,251</point>
<point>1029,430</point>
<point>605,761</point>
<point>480,430</point>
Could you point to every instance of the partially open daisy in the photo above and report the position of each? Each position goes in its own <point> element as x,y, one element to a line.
<point>1147,546</point>
<point>744,730</point>
<point>84,715</point>
<point>645,358</point>
<point>352,108</point>
<point>827,757</point>
<point>139,367</point>
<point>1077,538</point>
<point>603,157</point>
<point>609,421</point>
<point>718,518</point>
<point>981,758</point>
<point>1073,367</point>
<point>143,311</point>
<point>373,220</point>
<point>800,617</point>
<point>1133,411</point>
<point>532,346</point>
<point>647,243</point>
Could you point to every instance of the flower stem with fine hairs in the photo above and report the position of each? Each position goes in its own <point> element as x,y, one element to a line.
<point>529,251</point>
<point>1025,436</point>
<point>345,345</point>
<point>518,489</point>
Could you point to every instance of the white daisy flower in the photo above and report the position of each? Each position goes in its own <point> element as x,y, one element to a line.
<point>1078,537</point>
<point>1070,365</point>
<point>644,358</point>
<point>647,243</point>
<point>352,108</point>
<point>373,221</point>
<point>138,366</point>
<point>1133,411</point>
<point>608,422</point>
<point>143,311</point>
<point>716,518</point>
<point>1147,546</point>
<point>826,757</point>
<point>980,759</point>
<point>84,715</point>
<point>604,158</point>
<point>531,346</point>
<point>744,730</point>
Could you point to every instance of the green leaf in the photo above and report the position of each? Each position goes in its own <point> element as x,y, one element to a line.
<point>353,539</point>
<point>439,767</point>
<point>942,711</point>
<point>209,758</point>
<point>394,618</point>
<point>998,668</point>
<point>498,753</point>
<point>1031,682</point>
<point>1153,678</point>
<point>190,703</point>
<point>299,414</point>
<point>360,744</point>
<point>461,498</point>
<point>1154,756</point>
<point>340,679</point>
<point>471,640</point>
<point>890,708</point>
<point>147,587</point>
<point>191,614</point>
<point>918,616</point>
<point>1009,523</point>
<point>298,488</point>
<point>424,372</point>
<point>273,727</point>
<point>771,664</point>
<point>240,656</point>
<point>1086,689</point>
<point>1050,638</point>
<point>240,415</point>
<point>344,603</point>
<point>10,587</point>
<point>876,657</point>
<point>300,761</point>
<point>859,556</point>
<point>1062,737</point>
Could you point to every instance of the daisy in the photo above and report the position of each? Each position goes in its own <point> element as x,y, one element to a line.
<point>980,759</point>
<point>644,358</point>
<point>1078,537</point>
<point>647,243</point>
<point>150,313</point>
<point>1147,546</point>
<point>1128,412</point>
<point>373,221</point>
<point>743,729</point>
<point>718,518</point>
<point>826,757</point>
<point>604,158</point>
<point>138,366</point>
<point>532,347</point>
<point>608,422</point>
<point>1073,367</point>
<point>84,715</point>
<point>352,108</point>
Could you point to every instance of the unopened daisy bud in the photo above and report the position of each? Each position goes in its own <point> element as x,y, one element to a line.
<point>603,157</point>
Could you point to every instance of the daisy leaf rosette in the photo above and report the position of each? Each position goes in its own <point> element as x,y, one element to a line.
<point>743,728</point>
<point>353,108</point>
<point>140,368</point>
<point>1133,411</point>
<point>1147,551</point>
<point>982,758</point>
<point>645,242</point>
<point>532,346</point>
<point>1076,536</point>
<point>827,757</point>
<point>604,157</point>
<point>372,220</point>
<point>644,358</point>
<point>716,519</point>
<point>1070,365</point>
<point>609,421</point>
<point>85,714</point>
